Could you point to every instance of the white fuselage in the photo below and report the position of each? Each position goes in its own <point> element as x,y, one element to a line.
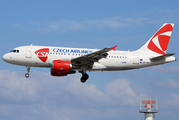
<point>34,56</point>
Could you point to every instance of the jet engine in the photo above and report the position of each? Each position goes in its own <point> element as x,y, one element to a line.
<point>60,68</point>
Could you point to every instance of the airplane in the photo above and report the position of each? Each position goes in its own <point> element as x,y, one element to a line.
<point>64,60</point>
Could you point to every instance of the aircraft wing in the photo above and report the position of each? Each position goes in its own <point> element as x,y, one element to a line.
<point>161,57</point>
<point>89,59</point>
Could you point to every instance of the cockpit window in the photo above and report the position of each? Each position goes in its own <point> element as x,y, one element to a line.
<point>15,51</point>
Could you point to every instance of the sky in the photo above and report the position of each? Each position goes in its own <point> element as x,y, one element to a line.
<point>86,24</point>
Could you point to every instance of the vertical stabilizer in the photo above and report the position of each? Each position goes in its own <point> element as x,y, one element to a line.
<point>158,43</point>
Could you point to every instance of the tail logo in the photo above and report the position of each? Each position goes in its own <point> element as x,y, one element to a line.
<point>42,54</point>
<point>160,40</point>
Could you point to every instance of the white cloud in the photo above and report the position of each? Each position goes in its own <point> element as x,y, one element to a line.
<point>174,100</point>
<point>167,84</point>
<point>69,25</point>
<point>64,25</point>
<point>121,91</point>
<point>16,89</point>
<point>171,101</point>
<point>173,84</point>
<point>65,98</point>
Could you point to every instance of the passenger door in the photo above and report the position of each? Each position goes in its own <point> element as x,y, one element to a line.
<point>28,52</point>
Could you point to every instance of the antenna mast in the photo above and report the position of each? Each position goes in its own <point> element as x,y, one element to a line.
<point>148,111</point>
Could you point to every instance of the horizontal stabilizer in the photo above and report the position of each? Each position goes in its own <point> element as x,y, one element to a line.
<point>161,57</point>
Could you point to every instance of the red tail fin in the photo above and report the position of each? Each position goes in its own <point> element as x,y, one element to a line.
<point>158,43</point>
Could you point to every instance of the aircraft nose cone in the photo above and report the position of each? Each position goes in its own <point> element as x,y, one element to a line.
<point>5,57</point>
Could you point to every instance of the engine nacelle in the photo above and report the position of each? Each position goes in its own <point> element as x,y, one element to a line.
<point>60,68</point>
<point>57,73</point>
<point>63,66</point>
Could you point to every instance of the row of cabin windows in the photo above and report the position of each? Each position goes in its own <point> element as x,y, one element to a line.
<point>61,53</point>
<point>117,57</point>
<point>80,54</point>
